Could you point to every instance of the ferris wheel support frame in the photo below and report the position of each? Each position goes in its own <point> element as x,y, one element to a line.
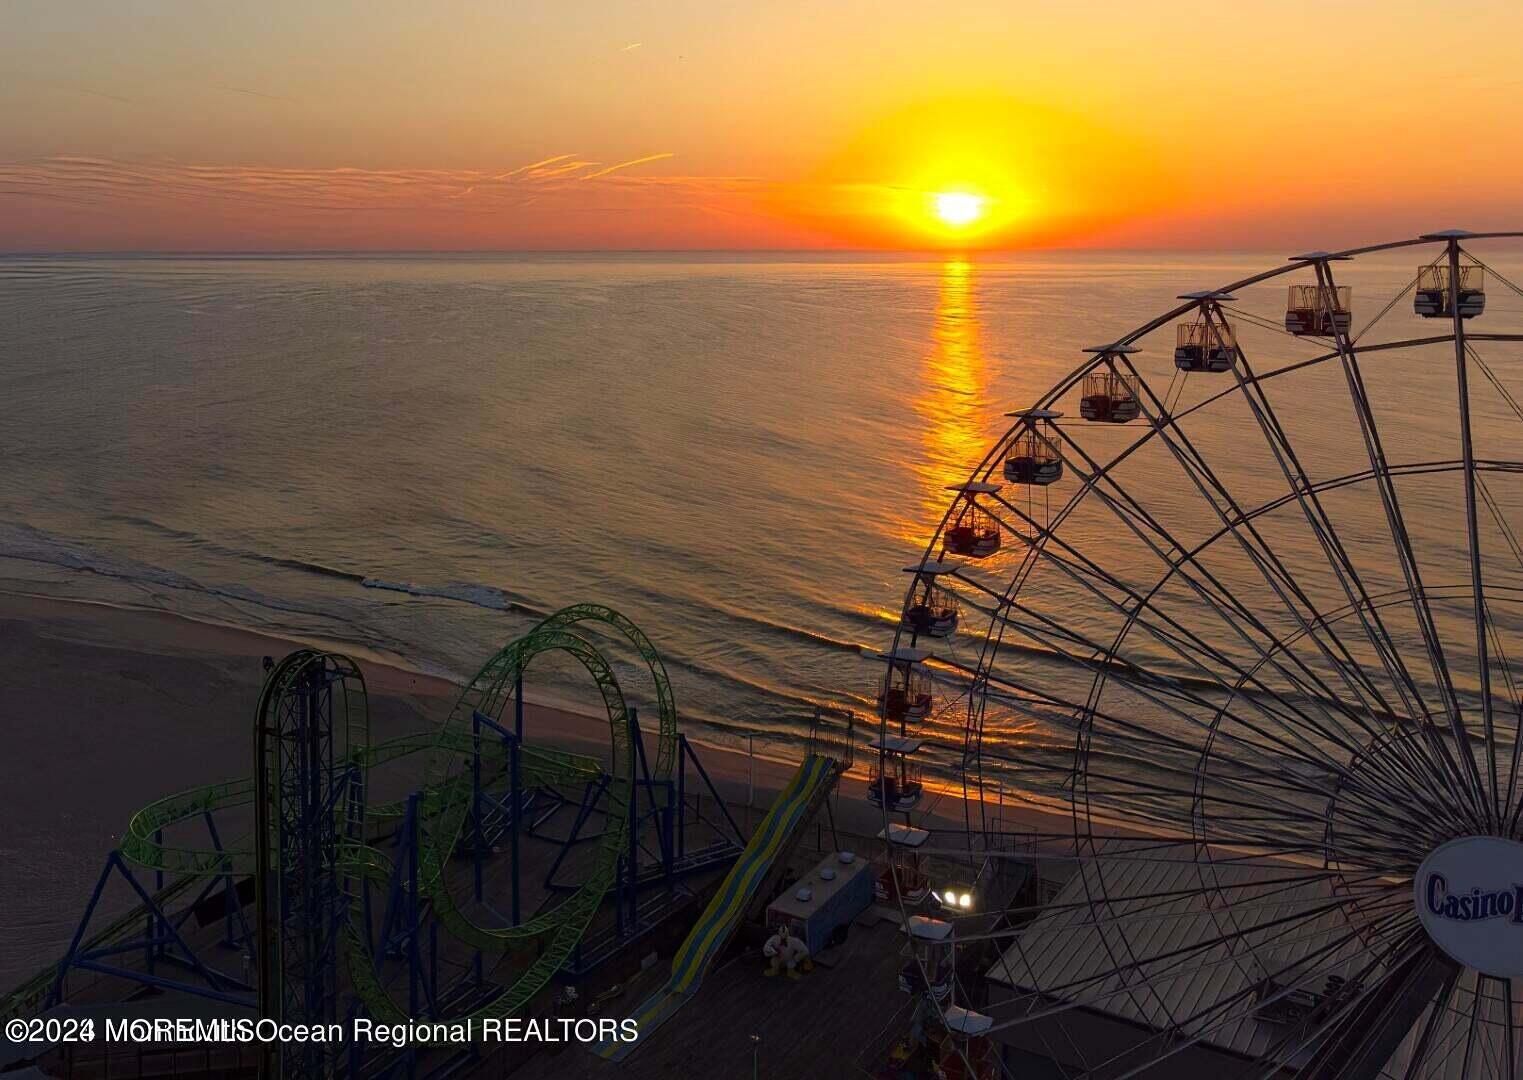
<point>1363,1032</point>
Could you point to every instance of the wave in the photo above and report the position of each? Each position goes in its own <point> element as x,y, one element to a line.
<point>483,596</point>
<point>24,543</point>
<point>196,540</point>
<point>782,629</point>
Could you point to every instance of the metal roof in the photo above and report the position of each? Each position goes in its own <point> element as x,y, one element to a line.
<point>932,567</point>
<point>905,654</point>
<point>907,835</point>
<point>1109,917</point>
<point>1036,414</point>
<point>896,744</point>
<point>928,929</point>
<point>1206,294</point>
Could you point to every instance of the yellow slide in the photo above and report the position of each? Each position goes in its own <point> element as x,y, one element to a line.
<point>723,915</point>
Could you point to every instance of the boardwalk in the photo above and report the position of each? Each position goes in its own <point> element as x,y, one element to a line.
<point>826,1025</point>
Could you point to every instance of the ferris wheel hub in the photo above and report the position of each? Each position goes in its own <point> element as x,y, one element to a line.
<point>1469,898</point>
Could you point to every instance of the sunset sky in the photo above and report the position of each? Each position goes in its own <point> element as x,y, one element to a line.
<point>574,125</point>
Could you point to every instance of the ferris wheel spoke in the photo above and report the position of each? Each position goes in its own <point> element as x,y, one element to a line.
<point>1196,1027</point>
<point>1356,717</point>
<point>1142,735</point>
<point>1260,814</point>
<point>1251,762</point>
<point>1259,894</point>
<point>1324,357</point>
<point>1475,1012</point>
<point>1323,1036</point>
<point>1285,932</point>
<point>1339,562</point>
<point>1207,1021</point>
<point>1273,572</point>
<point>1402,542</point>
<point>1510,1021</point>
<point>1258,552</point>
<point>1232,613</point>
<point>1514,697</point>
<point>1357,1038</point>
<point>1325,531</point>
<point>1438,1011</point>
<point>1472,526</point>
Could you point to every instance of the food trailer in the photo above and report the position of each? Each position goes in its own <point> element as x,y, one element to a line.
<point>831,895</point>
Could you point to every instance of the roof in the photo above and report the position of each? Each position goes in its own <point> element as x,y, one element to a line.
<point>1036,414</point>
<point>932,566</point>
<point>896,744</point>
<point>928,929</point>
<point>827,879</point>
<point>1192,949</point>
<point>966,1021</point>
<point>906,835</point>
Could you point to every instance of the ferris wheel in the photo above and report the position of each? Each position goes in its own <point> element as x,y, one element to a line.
<point>1237,608</point>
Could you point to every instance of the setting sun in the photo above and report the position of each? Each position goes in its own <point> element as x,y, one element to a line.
<point>958,208</point>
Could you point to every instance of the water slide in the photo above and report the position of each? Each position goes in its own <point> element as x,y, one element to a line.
<point>793,808</point>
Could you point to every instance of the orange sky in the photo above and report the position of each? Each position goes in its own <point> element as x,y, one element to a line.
<point>615,124</point>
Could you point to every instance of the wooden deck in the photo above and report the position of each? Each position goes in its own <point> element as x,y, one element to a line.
<point>832,1024</point>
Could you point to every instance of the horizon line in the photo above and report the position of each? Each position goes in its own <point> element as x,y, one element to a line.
<point>933,252</point>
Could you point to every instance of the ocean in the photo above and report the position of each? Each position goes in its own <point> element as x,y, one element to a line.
<point>419,456</point>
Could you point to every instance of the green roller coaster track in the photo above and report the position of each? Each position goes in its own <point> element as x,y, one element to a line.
<point>444,807</point>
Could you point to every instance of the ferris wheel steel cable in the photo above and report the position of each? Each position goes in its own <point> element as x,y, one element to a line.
<point>1312,709</point>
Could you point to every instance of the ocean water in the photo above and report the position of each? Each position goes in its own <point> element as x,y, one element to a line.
<point>420,456</point>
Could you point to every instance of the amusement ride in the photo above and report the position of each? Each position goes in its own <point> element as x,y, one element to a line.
<point>1235,606</point>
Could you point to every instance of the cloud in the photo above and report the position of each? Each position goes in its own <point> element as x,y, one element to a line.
<point>627,165</point>
<point>108,182</point>
<point>556,200</point>
<point>255,93</point>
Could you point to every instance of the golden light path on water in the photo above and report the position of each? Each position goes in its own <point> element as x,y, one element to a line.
<point>953,401</point>
<point>959,420</point>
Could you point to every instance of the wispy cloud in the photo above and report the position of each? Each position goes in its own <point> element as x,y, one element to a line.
<point>633,45</point>
<point>91,93</point>
<point>255,93</point>
<point>578,183</point>
<point>626,165</point>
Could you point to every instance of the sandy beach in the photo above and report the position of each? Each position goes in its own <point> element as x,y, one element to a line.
<point>106,709</point>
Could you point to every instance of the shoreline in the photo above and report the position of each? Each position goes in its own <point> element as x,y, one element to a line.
<point>180,635</point>
<point>109,708</point>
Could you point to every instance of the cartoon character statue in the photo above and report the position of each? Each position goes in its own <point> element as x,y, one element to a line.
<point>786,952</point>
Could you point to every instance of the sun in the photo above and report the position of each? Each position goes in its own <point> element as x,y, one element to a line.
<point>958,208</point>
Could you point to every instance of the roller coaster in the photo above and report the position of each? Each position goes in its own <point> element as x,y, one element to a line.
<point>340,927</point>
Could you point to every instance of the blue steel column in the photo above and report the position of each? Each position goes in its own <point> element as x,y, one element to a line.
<point>517,794</point>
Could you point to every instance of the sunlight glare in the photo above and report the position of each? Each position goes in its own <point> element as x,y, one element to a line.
<point>958,208</point>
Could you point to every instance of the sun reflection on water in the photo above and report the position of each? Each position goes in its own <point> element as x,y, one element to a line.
<point>953,399</point>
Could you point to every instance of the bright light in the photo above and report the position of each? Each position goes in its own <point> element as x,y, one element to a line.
<point>958,208</point>
<point>965,900</point>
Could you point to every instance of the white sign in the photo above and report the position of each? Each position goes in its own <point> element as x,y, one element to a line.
<point>1469,896</point>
